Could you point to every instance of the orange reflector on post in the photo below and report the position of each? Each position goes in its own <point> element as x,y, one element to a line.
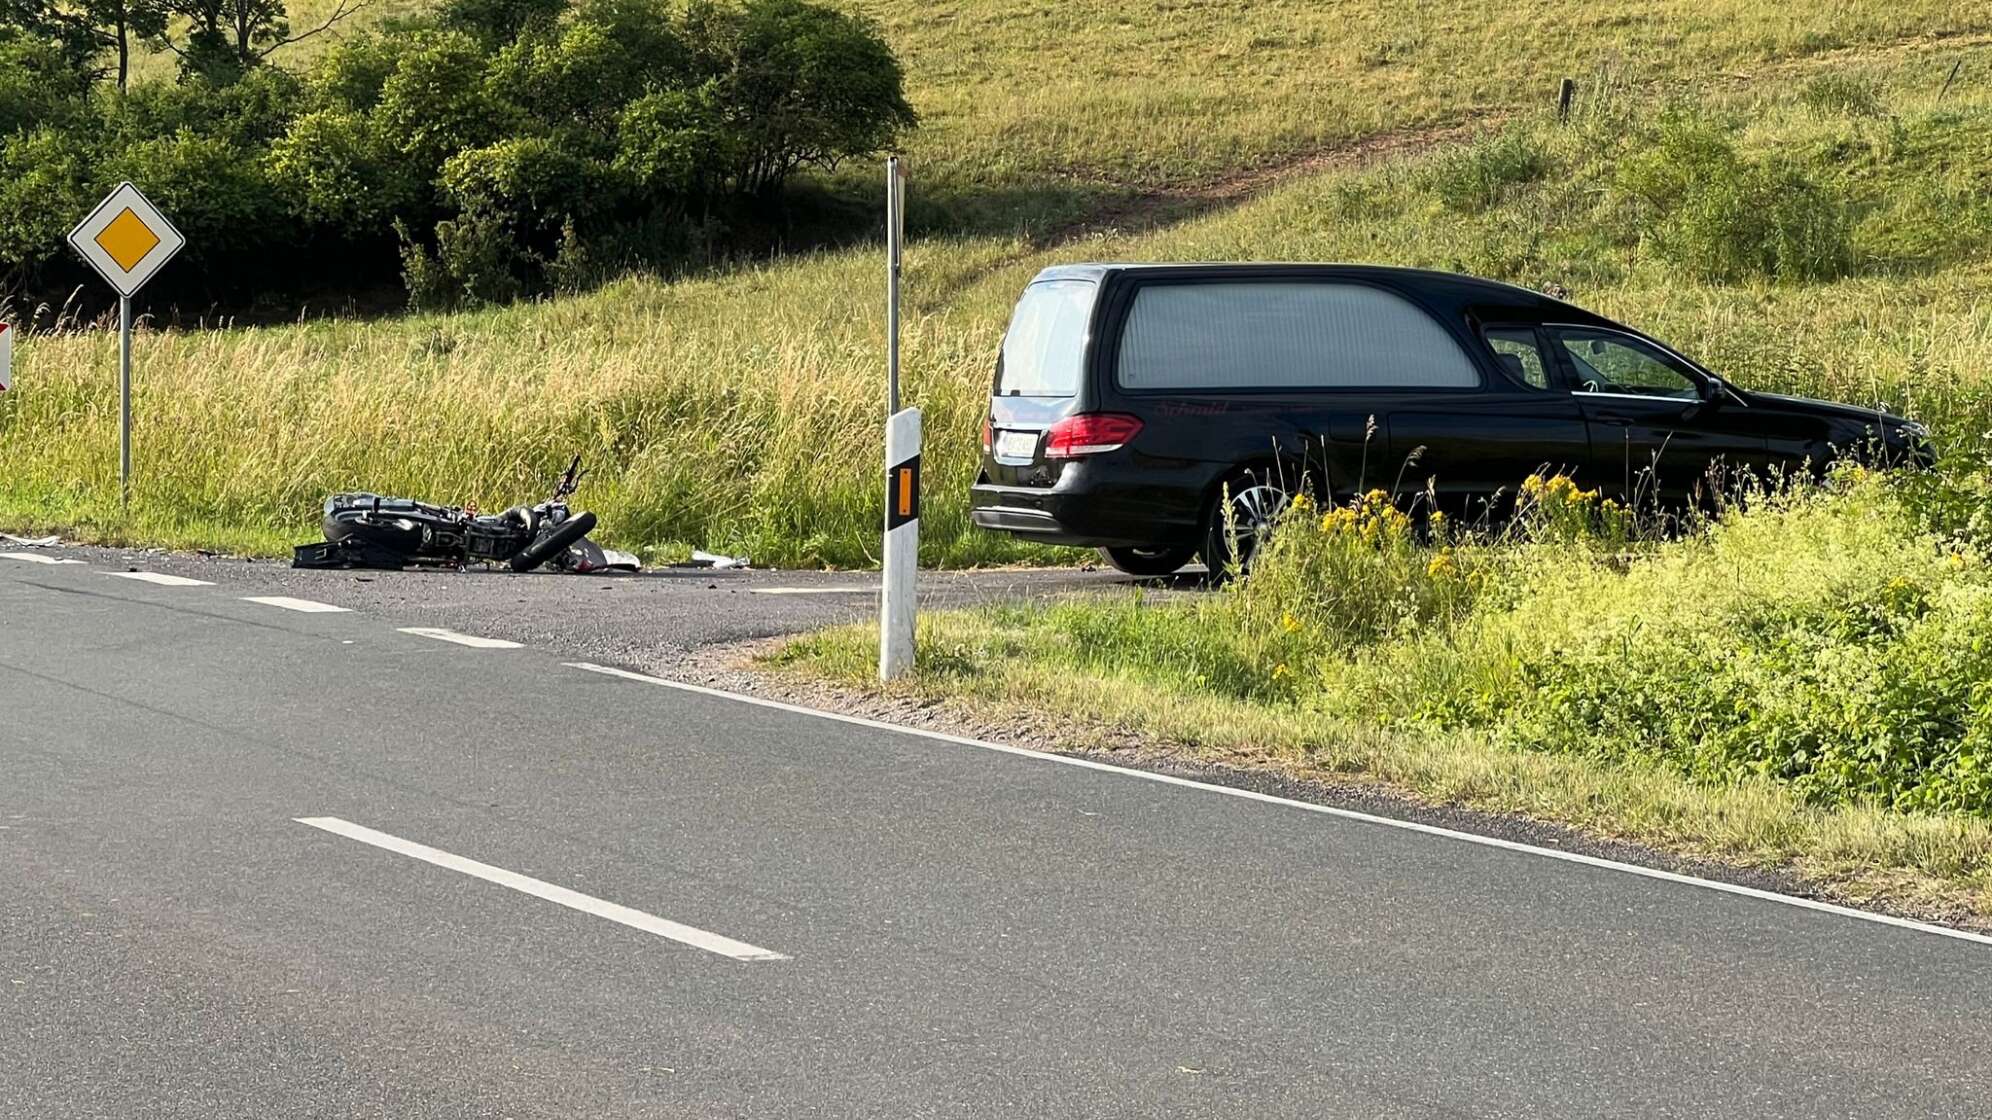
<point>902,493</point>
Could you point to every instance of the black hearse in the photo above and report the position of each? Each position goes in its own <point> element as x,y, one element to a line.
<point>1130,397</point>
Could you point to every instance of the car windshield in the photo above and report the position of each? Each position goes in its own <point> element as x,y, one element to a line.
<point>1045,348</point>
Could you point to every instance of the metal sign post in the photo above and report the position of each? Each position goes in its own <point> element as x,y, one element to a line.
<point>124,400</point>
<point>895,237</point>
<point>127,240</point>
<point>898,597</point>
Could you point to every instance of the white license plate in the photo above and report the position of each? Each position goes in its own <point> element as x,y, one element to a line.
<point>1016,445</point>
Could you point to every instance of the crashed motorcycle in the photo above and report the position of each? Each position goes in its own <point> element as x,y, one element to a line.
<point>371,531</point>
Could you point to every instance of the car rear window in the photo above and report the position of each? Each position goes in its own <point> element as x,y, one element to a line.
<point>1045,348</point>
<point>1285,334</point>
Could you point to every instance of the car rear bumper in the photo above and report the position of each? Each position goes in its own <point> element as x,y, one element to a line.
<point>1112,517</point>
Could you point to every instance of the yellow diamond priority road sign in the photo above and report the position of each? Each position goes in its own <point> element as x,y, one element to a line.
<point>126,239</point>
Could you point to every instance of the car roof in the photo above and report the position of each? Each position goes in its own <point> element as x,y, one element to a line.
<point>1457,290</point>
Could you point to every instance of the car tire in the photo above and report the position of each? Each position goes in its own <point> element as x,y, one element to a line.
<point>1150,562</point>
<point>1255,498</point>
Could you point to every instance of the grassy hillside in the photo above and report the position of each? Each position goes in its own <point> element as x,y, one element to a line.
<point>1035,112</point>
<point>740,411</point>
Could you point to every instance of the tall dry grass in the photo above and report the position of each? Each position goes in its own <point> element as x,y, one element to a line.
<point>741,411</point>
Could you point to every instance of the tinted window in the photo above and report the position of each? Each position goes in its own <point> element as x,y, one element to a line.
<point>1520,354</point>
<point>1045,349</point>
<point>1611,363</point>
<point>1285,334</point>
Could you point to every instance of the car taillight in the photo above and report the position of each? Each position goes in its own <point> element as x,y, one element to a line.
<point>988,437</point>
<point>1089,433</point>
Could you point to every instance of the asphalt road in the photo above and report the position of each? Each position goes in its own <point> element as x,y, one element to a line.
<point>530,889</point>
<point>649,619</point>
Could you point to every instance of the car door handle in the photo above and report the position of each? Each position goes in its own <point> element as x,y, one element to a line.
<point>1614,421</point>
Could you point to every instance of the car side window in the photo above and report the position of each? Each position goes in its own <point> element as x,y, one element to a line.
<point>1611,363</point>
<point>1285,334</point>
<point>1520,355</point>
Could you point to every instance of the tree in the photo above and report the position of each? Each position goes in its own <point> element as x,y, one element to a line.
<point>48,22</point>
<point>804,85</point>
<point>120,22</point>
<point>84,31</point>
<point>224,38</point>
<point>497,22</point>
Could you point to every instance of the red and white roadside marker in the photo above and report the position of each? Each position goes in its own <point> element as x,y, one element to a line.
<point>6,356</point>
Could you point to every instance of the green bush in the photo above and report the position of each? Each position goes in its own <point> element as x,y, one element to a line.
<point>1836,640</point>
<point>529,180</point>
<point>1477,177</point>
<point>674,141</point>
<point>477,260</point>
<point>436,104</point>
<point>1720,217</point>
<point>336,170</point>
<point>216,193</point>
<point>585,69</point>
<point>38,86</point>
<point>1828,644</point>
<point>46,181</point>
<point>351,74</point>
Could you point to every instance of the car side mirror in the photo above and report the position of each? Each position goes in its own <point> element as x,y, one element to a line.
<point>1708,397</point>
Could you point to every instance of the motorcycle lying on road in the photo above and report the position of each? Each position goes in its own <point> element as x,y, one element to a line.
<point>371,531</point>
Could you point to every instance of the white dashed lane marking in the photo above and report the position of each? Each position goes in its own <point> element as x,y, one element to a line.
<point>814,590</point>
<point>290,604</point>
<point>538,888</point>
<point>37,558</point>
<point>471,640</point>
<point>162,579</point>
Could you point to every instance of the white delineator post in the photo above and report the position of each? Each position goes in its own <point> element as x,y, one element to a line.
<point>897,597</point>
<point>898,604</point>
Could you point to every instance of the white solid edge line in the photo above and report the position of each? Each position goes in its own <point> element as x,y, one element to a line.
<point>287,603</point>
<point>162,579</point>
<point>1326,810</point>
<point>813,590</point>
<point>573,900</point>
<point>34,558</point>
<point>471,640</point>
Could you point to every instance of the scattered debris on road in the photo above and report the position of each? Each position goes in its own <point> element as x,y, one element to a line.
<point>703,559</point>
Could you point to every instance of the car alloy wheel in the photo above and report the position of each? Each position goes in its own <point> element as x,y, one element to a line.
<point>1249,506</point>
